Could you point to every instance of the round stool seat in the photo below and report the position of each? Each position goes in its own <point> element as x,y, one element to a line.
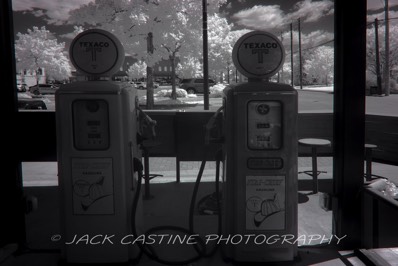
<point>311,142</point>
<point>370,146</point>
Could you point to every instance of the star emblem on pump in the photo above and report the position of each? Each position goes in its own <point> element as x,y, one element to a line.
<point>263,109</point>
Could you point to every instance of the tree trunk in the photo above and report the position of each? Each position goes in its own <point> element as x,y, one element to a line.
<point>149,88</point>
<point>173,78</point>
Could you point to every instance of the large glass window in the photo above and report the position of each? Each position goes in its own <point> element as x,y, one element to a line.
<point>381,85</point>
<point>43,33</point>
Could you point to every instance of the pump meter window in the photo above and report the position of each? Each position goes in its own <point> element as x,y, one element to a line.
<point>264,125</point>
<point>90,124</point>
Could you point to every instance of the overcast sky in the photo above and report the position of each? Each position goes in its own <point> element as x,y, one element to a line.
<point>269,15</point>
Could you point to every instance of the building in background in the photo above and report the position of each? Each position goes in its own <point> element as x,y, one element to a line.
<point>32,77</point>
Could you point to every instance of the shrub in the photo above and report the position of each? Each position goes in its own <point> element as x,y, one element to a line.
<point>181,93</point>
<point>216,91</point>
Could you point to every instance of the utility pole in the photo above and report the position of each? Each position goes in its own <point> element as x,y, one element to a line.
<point>387,51</point>
<point>291,54</point>
<point>149,75</point>
<point>300,58</point>
<point>205,58</point>
<point>378,75</point>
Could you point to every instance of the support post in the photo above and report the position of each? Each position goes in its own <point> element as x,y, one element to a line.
<point>349,120</point>
<point>205,58</point>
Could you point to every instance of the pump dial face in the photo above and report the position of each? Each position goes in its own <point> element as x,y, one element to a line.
<point>258,54</point>
<point>96,53</point>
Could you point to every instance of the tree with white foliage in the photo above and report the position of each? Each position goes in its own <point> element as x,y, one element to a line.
<point>221,41</point>
<point>137,70</point>
<point>371,51</point>
<point>150,30</point>
<point>190,67</point>
<point>39,49</point>
<point>220,44</point>
<point>227,39</point>
<point>319,66</point>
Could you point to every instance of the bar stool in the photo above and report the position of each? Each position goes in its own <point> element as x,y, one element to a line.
<point>314,144</point>
<point>146,145</point>
<point>368,158</point>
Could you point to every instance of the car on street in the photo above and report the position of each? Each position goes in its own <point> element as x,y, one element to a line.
<point>41,89</point>
<point>141,85</point>
<point>165,81</point>
<point>31,104</point>
<point>26,102</point>
<point>195,85</point>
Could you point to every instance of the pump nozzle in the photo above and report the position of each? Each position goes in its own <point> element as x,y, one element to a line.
<point>212,124</point>
<point>147,120</point>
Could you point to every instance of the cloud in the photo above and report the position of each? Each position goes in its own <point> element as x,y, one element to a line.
<point>70,35</point>
<point>272,17</point>
<point>260,17</point>
<point>309,40</point>
<point>57,12</point>
<point>315,38</point>
<point>311,11</point>
<point>379,4</point>
<point>380,15</point>
<point>38,13</point>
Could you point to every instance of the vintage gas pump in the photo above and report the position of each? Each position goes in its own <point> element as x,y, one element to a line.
<point>260,170</point>
<point>96,142</point>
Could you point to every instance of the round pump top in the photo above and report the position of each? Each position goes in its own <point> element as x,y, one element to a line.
<point>258,54</point>
<point>96,53</point>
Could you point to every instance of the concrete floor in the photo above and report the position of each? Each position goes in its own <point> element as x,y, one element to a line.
<point>169,206</point>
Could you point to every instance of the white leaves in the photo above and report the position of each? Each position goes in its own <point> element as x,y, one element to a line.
<point>38,49</point>
<point>137,70</point>
<point>176,26</point>
<point>320,64</point>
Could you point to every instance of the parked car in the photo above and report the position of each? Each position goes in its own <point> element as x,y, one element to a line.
<point>133,84</point>
<point>141,85</point>
<point>26,102</point>
<point>195,85</point>
<point>43,89</point>
<point>22,87</point>
<point>163,81</point>
<point>29,104</point>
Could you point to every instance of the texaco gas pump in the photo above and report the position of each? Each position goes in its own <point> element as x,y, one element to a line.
<point>96,142</point>
<point>260,172</point>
